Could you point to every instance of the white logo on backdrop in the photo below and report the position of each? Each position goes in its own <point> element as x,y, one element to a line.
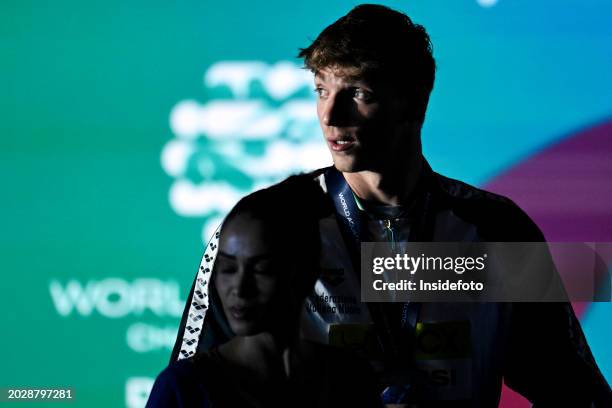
<point>257,126</point>
<point>137,390</point>
<point>116,298</point>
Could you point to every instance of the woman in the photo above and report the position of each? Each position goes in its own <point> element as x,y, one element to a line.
<point>265,268</point>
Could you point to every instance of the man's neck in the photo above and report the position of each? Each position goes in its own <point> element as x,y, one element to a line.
<point>391,186</point>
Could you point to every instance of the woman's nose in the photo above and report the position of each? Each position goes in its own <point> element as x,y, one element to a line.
<point>244,285</point>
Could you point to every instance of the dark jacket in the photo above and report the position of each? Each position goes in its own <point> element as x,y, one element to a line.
<point>539,350</point>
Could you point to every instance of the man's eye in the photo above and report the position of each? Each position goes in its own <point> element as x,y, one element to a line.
<point>362,95</point>
<point>321,93</point>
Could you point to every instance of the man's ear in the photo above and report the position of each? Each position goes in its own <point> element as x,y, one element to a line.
<point>406,109</point>
<point>411,126</point>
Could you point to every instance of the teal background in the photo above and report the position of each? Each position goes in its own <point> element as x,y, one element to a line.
<point>87,89</point>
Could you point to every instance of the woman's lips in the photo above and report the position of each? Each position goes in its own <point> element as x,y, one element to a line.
<point>340,145</point>
<point>241,312</point>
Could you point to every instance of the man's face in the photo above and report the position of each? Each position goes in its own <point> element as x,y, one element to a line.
<point>364,124</point>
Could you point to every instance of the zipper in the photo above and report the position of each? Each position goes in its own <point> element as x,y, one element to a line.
<point>388,225</point>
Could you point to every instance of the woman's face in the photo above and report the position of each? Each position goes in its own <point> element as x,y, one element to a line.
<point>248,276</point>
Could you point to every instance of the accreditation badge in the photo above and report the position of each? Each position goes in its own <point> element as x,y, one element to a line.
<point>443,361</point>
<point>359,337</point>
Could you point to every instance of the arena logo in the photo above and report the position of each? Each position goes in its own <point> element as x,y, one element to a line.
<point>258,125</point>
<point>117,298</point>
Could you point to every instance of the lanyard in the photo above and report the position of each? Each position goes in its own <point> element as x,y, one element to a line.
<point>351,223</point>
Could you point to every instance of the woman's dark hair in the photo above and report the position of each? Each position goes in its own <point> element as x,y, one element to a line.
<point>290,212</point>
<point>377,42</point>
<point>290,209</point>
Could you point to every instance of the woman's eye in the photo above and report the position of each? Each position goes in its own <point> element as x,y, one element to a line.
<point>265,268</point>
<point>225,268</point>
<point>226,271</point>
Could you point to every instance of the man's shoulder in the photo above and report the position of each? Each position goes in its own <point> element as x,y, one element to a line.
<point>498,217</point>
<point>464,192</point>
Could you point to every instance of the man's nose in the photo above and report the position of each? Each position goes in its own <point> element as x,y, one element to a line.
<point>335,110</point>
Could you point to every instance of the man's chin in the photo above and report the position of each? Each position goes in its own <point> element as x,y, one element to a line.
<point>348,167</point>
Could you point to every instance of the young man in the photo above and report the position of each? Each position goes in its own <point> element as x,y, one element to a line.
<point>374,71</point>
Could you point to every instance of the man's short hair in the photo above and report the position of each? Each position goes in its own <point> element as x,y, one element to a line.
<point>376,42</point>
